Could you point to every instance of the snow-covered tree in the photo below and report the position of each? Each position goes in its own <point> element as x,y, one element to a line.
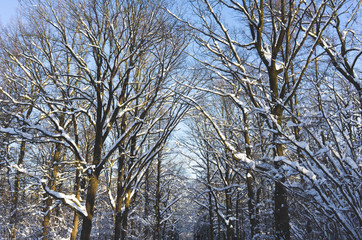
<point>263,53</point>
<point>97,76</point>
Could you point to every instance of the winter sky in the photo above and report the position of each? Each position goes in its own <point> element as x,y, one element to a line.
<point>7,10</point>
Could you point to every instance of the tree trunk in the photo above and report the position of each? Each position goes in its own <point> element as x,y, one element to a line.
<point>119,199</point>
<point>90,203</point>
<point>237,216</point>
<point>157,234</point>
<point>251,204</point>
<point>229,208</point>
<point>51,185</point>
<point>94,174</point>
<point>124,231</point>
<point>230,224</point>
<point>46,219</point>
<point>15,193</point>
<point>147,200</point>
<point>77,186</point>
<point>74,232</point>
<point>92,190</point>
<point>211,215</point>
<point>281,212</point>
<point>120,190</point>
<point>254,222</point>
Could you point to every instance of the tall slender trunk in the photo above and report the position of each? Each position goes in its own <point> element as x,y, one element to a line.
<point>77,187</point>
<point>220,234</point>
<point>119,199</point>
<point>16,190</point>
<point>219,222</point>
<point>124,230</point>
<point>243,225</point>
<point>147,200</point>
<point>94,173</point>
<point>15,193</point>
<point>281,212</point>
<point>128,197</point>
<point>124,193</point>
<point>157,234</point>
<point>211,219</point>
<point>118,231</point>
<point>251,204</point>
<point>211,215</point>
<point>90,203</point>
<point>254,221</point>
<point>93,185</point>
<point>237,216</point>
<point>74,232</point>
<point>51,185</point>
<point>229,207</point>
<point>230,224</point>
<point>46,219</point>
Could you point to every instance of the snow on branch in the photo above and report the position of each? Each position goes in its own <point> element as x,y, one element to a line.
<point>69,200</point>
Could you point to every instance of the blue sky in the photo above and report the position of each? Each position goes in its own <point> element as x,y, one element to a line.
<point>7,10</point>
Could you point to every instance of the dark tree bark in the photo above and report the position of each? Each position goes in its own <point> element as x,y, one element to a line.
<point>52,186</point>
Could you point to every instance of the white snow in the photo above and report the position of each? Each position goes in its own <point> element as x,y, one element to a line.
<point>69,200</point>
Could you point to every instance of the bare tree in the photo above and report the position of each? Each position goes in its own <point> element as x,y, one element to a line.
<point>107,65</point>
<point>268,77</point>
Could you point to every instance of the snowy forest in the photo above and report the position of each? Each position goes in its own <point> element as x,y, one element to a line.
<point>192,119</point>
